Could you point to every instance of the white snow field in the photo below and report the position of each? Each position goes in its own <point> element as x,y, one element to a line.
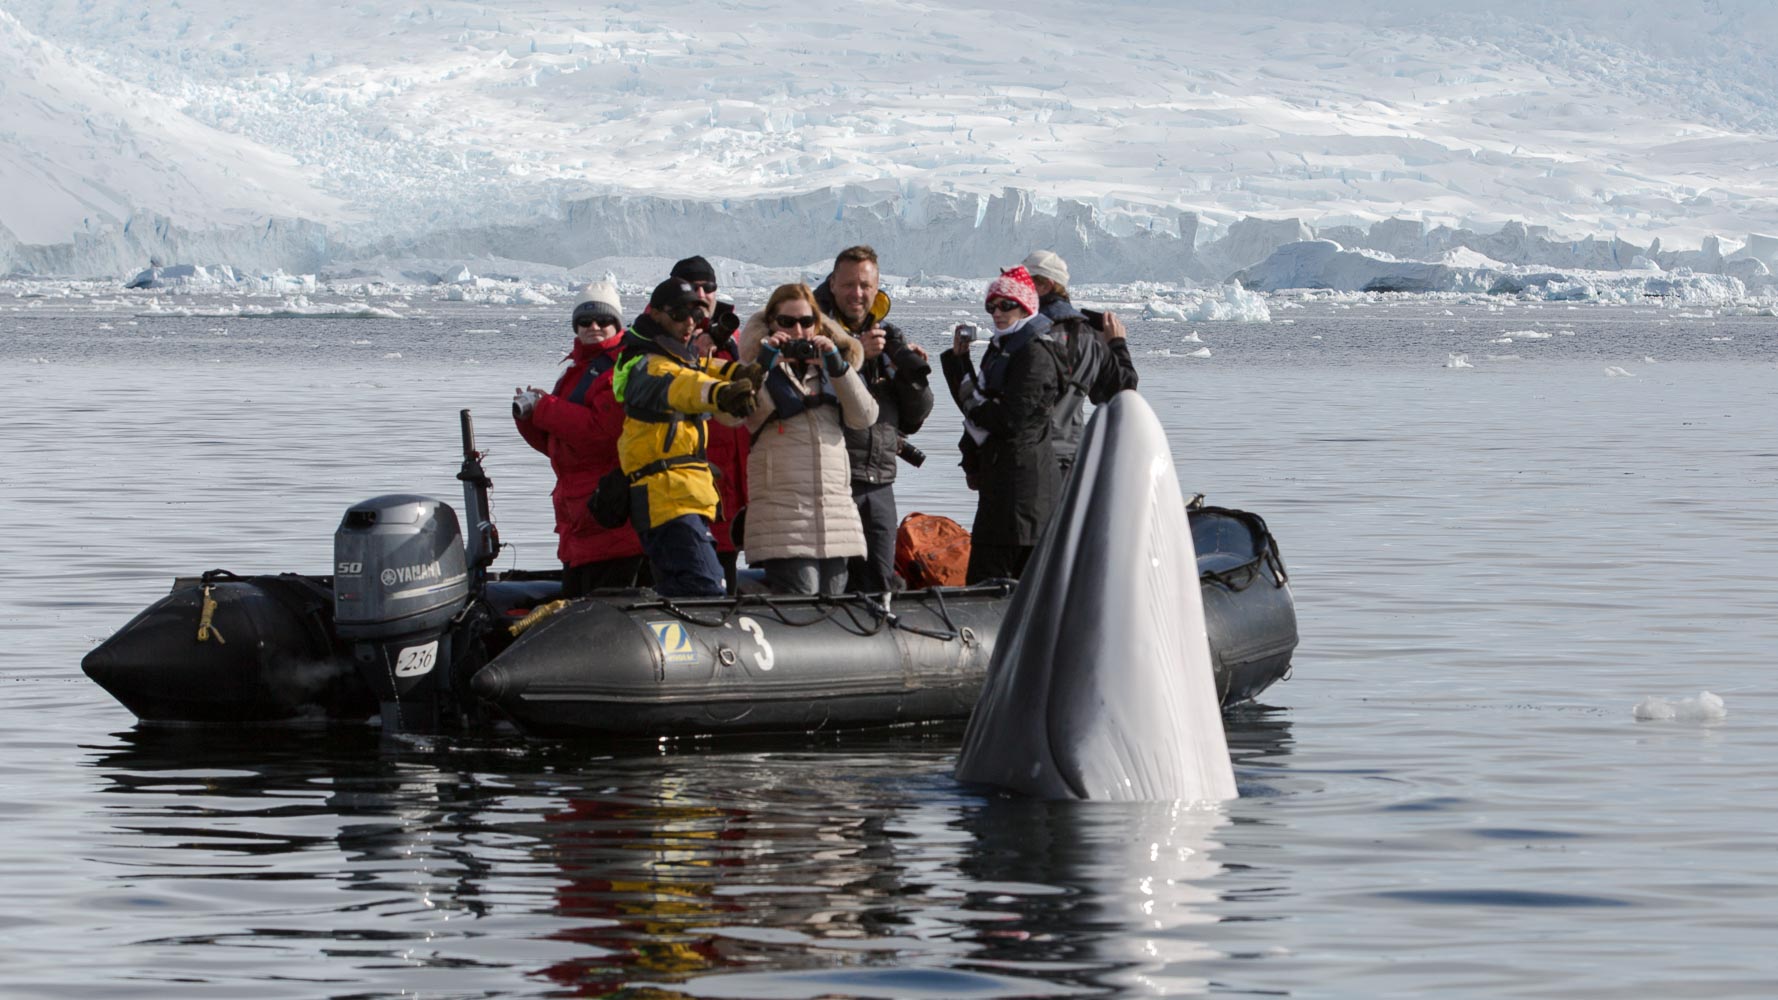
<point>305,135</point>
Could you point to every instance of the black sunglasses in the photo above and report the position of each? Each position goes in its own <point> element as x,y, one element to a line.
<point>596,321</point>
<point>792,322</point>
<point>704,286</point>
<point>1003,305</point>
<point>680,314</point>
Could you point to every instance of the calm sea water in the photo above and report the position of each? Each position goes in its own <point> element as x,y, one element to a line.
<point>1492,565</point>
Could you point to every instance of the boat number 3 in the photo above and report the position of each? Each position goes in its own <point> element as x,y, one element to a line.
<point>763,658</point>
<point>416,660</point>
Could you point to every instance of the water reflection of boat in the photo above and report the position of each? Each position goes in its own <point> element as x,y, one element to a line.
<point>414,627</point>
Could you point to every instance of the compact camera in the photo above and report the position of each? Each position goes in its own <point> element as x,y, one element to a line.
<point>799,350</point>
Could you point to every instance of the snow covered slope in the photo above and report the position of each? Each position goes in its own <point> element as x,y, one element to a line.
<point>79,148</point>
<point>393,121</point>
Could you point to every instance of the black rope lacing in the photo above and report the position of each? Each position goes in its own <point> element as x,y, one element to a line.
<point>828,610</point>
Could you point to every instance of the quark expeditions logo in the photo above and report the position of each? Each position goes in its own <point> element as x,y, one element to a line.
<point>411,574</point>
<point>675,642</point>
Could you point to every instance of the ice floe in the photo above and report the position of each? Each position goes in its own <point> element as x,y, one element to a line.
<point>1705,707</point>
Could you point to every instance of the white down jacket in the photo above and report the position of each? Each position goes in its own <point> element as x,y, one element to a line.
<point>799,479</point>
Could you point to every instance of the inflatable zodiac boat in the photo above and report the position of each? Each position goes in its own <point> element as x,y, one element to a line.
<point>413,628</point>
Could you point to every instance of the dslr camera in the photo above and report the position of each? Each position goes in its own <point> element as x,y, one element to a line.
<point>724,322</point>
<point>907,364</point>
<point>910,454</point>
<point>1095,318</point>
<point>799,350</point>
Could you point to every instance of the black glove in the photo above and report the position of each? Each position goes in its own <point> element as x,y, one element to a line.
<point>735,398</point>
<point>836,365</point>
<point>753,372</point>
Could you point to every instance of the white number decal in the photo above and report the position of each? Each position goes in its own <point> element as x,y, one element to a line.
<point>348,569</point>
<point>762,659</point>
<point>417,660</point>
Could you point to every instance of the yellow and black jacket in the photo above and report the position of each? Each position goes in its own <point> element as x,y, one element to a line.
<point>668,393</point>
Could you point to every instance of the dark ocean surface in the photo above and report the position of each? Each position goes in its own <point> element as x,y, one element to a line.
<point>1492,566</point>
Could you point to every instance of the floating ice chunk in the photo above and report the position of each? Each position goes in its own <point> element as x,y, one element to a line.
<point>392,356</point>
<point>1647,360</point>
<point>1458,361</point>
<point>1527,334</point>
<point>1501,340</point>
<point>1229,303</point>
<point>1615,372</point>
<point>1706,707</point>
<point>1202,352</point>
<point>1192,338</point>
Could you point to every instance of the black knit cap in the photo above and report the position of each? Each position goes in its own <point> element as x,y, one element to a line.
<point>694,269</point>
<point>674,293</point>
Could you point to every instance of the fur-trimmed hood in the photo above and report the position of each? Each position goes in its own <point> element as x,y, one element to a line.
<point>755,331</point>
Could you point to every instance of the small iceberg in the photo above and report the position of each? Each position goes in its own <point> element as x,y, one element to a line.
<point>1202,352</point>
<point>1706,707</point>
<point>1458,361</point>
<point>1615,372</point>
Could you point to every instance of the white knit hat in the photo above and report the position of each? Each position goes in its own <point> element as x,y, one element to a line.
<point>1047,264</point>
<point>599,299</point>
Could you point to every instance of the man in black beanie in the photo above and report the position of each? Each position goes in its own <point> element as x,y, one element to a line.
<point>669,392</point>
<point>727,445</point>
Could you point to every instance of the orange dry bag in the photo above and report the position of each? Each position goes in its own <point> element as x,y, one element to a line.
<point>931,551</point>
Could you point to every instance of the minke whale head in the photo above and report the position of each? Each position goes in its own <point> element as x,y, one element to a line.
<point>1101,685</point>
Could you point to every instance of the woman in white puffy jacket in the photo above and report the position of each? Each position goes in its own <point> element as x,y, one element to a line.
<point>802,524</point>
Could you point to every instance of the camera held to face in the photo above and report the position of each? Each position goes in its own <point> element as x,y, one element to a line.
<point>799,350</point>
<point>724,322</point>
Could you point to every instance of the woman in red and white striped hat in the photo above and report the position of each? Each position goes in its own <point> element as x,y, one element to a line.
<point>1006,446</point>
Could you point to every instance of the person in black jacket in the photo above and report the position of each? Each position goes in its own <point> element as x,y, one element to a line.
<point>1006,428</point>
<point>1097,353</point>
<point>896,373</point>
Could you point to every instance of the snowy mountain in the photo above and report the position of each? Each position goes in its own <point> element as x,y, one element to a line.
<point>545,130</point>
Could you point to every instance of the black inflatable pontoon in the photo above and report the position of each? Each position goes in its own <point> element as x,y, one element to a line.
<point>413,628</point>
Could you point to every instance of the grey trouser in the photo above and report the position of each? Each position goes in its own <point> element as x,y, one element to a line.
<point>874,572</point>
<point>805,576</point>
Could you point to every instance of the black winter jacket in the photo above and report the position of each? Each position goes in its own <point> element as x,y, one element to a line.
<point>1014,468</point>
<point>904,401</point>
<point>1099,372</point>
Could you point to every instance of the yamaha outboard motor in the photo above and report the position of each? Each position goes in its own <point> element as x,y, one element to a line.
<point>401,579</point>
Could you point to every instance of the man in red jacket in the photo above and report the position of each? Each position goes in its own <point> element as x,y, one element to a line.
<point>577,426</point>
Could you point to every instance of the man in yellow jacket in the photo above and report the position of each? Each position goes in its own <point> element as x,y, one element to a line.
<point>668,393</point>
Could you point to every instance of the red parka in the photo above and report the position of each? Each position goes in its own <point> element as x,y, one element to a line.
<point>577,426</point>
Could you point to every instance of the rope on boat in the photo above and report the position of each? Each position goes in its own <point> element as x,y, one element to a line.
<point>880,613</point>
<point>207,630</point>
<point>537,614</point>
<point>1239,578</point>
